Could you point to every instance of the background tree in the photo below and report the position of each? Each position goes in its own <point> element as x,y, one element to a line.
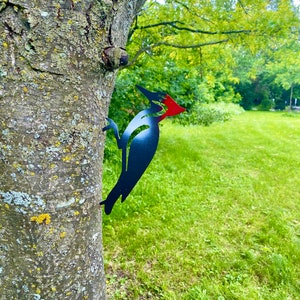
<point>286,68</point>
<point>57,73</point>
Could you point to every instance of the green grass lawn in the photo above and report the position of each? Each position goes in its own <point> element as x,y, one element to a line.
<point>215,216</point>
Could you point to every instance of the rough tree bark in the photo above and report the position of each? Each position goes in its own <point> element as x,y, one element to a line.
<point>58,62</point>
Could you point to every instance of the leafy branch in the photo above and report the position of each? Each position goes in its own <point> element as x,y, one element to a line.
<point>181,26</point>
<point>179,46</point>
<point>174,25</point>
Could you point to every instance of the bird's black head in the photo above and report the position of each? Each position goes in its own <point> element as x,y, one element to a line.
<point>155,98</point>
<point>161,103</point>
<point>152,96</point>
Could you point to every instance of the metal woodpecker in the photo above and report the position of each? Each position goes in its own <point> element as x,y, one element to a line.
<point>143,132</point>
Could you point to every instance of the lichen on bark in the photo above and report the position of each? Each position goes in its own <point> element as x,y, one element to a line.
<point>54,95</point>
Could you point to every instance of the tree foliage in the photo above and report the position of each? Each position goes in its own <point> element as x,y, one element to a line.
<point>205,51</point>
<point>286,67</point>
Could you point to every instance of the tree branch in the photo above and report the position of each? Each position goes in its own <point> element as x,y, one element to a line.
<point>173,24</point>
<point>136,27</point>
<point>243,7</point>
<point>192,12</point>
<point>191,46</point>
<point>150,47</point>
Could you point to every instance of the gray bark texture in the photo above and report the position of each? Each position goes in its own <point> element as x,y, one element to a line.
<point>58,61</point>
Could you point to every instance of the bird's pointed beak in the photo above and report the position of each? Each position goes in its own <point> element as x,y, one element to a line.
<point>172,107</point>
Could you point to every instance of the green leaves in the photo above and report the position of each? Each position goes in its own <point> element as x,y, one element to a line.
<point>190,24</point>
<point>286,65</point>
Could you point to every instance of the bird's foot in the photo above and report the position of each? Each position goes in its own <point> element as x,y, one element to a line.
<point>107,206</point>
<point>111,125</point>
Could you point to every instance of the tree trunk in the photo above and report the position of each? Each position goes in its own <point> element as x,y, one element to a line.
<point>57,71</point>
<point>291,97</point>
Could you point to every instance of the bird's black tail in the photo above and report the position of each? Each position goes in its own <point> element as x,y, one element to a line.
<point>112,198</point>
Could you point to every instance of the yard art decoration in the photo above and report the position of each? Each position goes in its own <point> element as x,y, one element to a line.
<point>139,143</point>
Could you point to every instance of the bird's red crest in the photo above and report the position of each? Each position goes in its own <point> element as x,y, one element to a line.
<point>172,107</point>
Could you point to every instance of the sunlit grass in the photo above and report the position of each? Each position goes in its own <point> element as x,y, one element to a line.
<point>216,215</point>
